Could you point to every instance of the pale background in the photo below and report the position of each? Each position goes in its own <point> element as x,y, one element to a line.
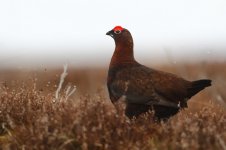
<point>36,33</point>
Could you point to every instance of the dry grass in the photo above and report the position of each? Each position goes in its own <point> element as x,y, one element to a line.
<point>30,119</point>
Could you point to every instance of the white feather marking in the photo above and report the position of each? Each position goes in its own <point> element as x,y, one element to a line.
<point>126,86</point>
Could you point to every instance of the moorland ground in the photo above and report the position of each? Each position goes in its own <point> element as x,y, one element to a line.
<point>32,118</point>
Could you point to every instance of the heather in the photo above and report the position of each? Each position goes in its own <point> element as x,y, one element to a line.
<point>32,118</point>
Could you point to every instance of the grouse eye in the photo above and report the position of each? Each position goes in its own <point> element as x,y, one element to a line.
<point>117,31</point>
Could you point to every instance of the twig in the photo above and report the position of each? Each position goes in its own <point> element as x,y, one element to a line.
<point>70,90</point>
<point>221,141</point>
<point>62,77</point>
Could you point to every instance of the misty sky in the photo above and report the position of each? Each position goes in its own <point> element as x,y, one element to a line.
<point>73,31</point>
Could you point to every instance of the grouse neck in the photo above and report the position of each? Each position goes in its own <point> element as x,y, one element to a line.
<point>123,54</point>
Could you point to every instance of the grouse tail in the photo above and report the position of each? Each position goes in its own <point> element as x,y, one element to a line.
<point>197,86</point>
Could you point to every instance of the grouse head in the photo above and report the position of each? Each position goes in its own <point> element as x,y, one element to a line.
<point>121,36</point>
<point>123,53</point>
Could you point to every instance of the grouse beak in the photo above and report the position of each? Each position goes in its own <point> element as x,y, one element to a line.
<point>110,33</point>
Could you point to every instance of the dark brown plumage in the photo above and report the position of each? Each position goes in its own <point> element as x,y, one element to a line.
<point>144,88</point>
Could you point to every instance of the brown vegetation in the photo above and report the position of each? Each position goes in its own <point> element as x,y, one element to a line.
<point>29,119</point>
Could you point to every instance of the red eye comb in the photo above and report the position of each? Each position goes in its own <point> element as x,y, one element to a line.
<point>118,28</point>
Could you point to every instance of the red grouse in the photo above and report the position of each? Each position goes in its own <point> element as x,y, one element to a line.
<point>144,88</point>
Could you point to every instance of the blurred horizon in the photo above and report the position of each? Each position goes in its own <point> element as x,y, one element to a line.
<point>76,60</point>
<point>52,33</point>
